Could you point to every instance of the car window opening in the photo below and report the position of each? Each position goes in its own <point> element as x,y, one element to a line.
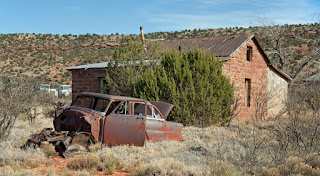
<point>123,109</point>
<point>153,113</point>
<point>112,106</point>
<point>139,109</point>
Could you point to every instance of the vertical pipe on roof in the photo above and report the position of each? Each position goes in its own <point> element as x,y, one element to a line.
<point>142,35</point>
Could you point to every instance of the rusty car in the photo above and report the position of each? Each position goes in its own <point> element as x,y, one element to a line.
<point>111,120</point>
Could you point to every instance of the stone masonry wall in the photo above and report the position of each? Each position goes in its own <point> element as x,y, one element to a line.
<point>277,93</point>
<point>238,69</point>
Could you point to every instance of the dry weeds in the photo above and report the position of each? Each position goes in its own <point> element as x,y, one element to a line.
<point>244,148</point>
<point>84,161</point>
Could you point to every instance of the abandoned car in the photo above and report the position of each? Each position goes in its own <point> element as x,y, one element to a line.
<point>109,119</point>
<point>118,120</point>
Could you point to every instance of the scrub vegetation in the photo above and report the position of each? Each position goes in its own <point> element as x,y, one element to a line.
<point>45,56</point>
<point>285,145</point>
<point>192,81</point>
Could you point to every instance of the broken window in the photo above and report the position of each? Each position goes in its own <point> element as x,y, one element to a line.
<point>249,53</point>
<point>84,102</point>
<point>139,109</point>
<point>123,109</point>
<point>247,92</point>
<point>112,106</point>
<point>101,105</point>
<point>153,113</point>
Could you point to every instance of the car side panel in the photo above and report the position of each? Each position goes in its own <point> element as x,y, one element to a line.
<point>156,130</point>
<point>124,129</point>
<point>160,129</point>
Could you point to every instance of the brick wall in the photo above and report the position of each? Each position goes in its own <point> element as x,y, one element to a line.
<point>86,80</point>
<point>238,69</point>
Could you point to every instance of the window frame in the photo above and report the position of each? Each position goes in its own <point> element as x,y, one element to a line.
<point>102,82</point>
<point>152,115</point>
<point>247,97</point>
<point>249,53</point>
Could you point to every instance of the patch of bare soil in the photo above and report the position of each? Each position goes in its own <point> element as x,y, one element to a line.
<point>57,166</point>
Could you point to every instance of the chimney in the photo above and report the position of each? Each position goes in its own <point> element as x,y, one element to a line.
<point>142,35</point>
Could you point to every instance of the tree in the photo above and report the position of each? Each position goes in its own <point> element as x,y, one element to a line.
<point>17,95</point>
<point>128,62</point>
<point>194,83</point>
<point>280,52</point>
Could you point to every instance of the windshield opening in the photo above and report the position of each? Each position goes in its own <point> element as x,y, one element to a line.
<point>94,103</point>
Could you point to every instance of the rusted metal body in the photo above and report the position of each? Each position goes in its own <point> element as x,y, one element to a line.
<point>118,120</point>
<point>63,140</point>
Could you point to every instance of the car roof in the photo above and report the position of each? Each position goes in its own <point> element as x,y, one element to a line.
<point>112,97</point>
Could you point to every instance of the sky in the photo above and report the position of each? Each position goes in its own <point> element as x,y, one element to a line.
<point>125,17</point>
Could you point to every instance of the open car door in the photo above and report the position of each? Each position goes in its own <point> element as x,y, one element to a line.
<point>124,127</point>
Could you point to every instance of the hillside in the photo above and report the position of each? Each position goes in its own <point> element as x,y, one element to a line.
<point>45,55</point>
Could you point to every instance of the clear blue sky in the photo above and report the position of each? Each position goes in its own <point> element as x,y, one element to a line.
<point>125,17</point>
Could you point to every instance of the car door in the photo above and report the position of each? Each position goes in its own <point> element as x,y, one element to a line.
<point>155,125</point>
<point>123,127</point>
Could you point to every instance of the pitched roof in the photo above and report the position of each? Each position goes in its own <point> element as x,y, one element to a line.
<point>220,46</point>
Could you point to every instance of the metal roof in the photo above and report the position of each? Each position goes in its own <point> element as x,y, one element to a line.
<point>106,64</point>
<point>97,65</point>
<point>223,46</point>
<point>220,46</point>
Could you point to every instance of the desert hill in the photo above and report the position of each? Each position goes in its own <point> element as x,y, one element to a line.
<point>46,55</point>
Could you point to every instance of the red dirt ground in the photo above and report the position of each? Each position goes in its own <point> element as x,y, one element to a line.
<point>58,164</point>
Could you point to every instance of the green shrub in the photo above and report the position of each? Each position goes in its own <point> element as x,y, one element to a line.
<point>194,83</point>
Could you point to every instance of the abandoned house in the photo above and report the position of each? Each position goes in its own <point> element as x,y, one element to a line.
<point>254,78</point>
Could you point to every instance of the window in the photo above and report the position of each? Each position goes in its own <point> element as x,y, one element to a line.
<point>101,105</point>
<point>247,92</point>
<point>113,105</point>
<point>84,102</point>
<point>139,109</point>
<point>153,113</point>
<point>102,85</point>
<point>123,109</point>
<point>249,53</point>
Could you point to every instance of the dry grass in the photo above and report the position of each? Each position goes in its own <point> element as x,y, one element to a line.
<point>218,168</point>
<point>166,166</point>
<point>48,149</point>
<point>108,162</point>
<point>84,161</point>
<point>13,160</point>
<point>244,148</point>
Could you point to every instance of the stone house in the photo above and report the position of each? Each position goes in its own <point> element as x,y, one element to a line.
<point>258,84</point>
